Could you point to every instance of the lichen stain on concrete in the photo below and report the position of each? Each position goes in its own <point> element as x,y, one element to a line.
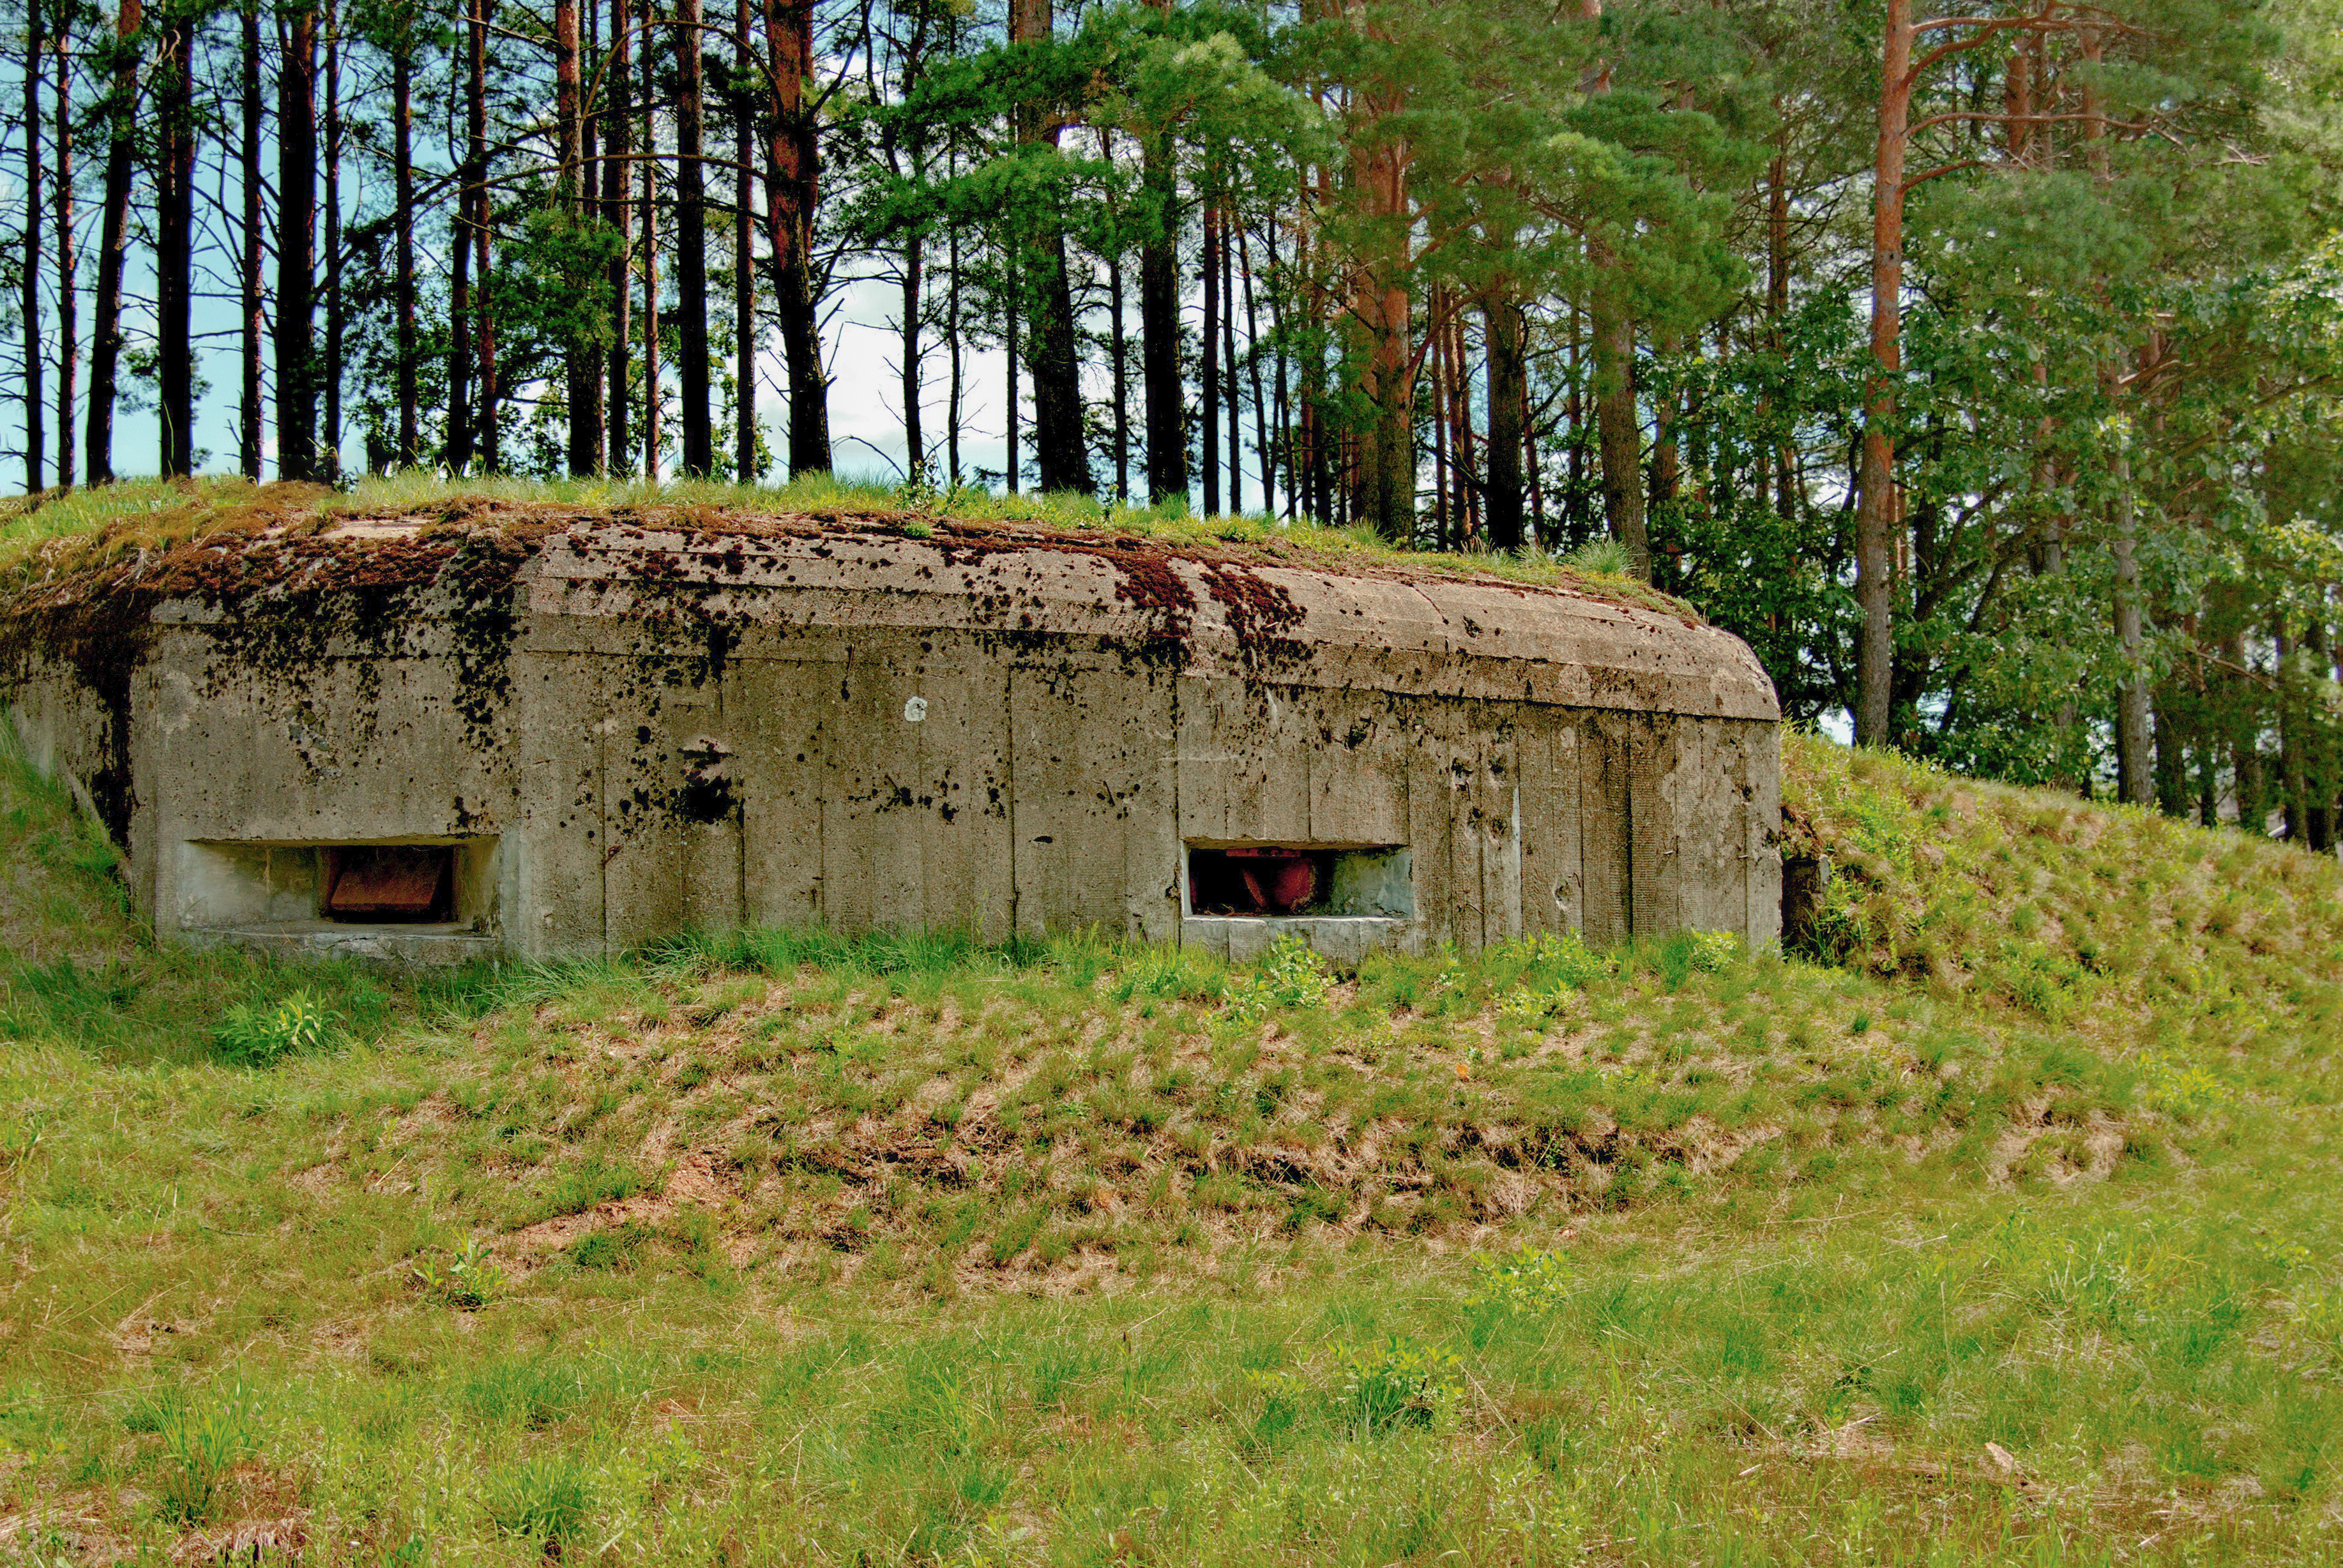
<point>686,716</point>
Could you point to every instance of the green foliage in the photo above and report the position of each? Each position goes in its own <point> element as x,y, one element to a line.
<point>2009,894</point>
<point>535,1392</point>
<point>468,1278</point>
<point>1167,972</point>
<point>1527,1281</point>
<point>1551,958</point>
<point>1397,1382</point>
<point>609,1248</point>
<point>1680,955</point>
<point>1534,1008</point>
<point>581,1187</point>
<point>1293,975</point>
<point>547,1497</point>
<point>261,1034</point>
<point>202,1444</point>
<point>1599,558</point>
<point>2316,1317</point>
<point>2185,1089</point>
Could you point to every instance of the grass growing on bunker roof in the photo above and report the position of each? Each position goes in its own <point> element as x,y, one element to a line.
<point>787,1246</point>
<point>51,532</point>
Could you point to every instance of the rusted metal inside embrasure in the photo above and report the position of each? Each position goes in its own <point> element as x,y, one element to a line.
<point>1259,880</point>
<point>408,882</point>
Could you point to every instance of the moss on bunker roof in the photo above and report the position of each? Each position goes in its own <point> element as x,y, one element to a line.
<point>216,537</point>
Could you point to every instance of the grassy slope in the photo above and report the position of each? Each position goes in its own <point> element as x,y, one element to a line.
<point>2009,1235</point>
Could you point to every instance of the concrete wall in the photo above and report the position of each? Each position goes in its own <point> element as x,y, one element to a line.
<point>871,732</point>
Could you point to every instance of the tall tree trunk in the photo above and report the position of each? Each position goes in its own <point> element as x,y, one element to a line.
<point>249,412</point>
<point>618,180</point>
<point>113,239</point>
<point>956,387</point>
<point>68,317</point>
<point>910,316</point>
<point>2136,783</point>
<point>2134,771</point>
<point>2017,97</point>
<point>485,423</point>
<point>175,355</point>
<point>1261,444</point>
<point>1574,504</point>
<point>792,189</point>
<point>581,356</point>
<point>586,357</point>
<point>1508,401</point>
<point>35,409</point>
<point>457,441</point>
<point>2171,762</point>
<point>1011,309</point>
<point>1229,350</point>
<point>1777,307</point>
<point>1383,495</point>
<point>1281,421</point>
<point>691,250</point>
<point>1059,449</point>
<point>1536,468</point>
<point>1318,435</point>
<point>2325,765</point>
<point>582,449</point>
<point>1666,455</point>
<point>1164,386</point>
<point>1618,429</point>
<point>1118,345</point>
<point>915,444</point>
<point>1874,520</point>
<point>1619,434</point>
<point>402,110</point>
<point>1467,495</point>
<point>1208,366</point>
<point>650,255</point>
<point>1777,239</point>
<point>1443,422</point>
<point>296,244</point>
<point>589,175</point>
<point>2245,730</point>
<point>1383,488</point>
<point>2293,785</point>
<point>329,374</point>
<point>745,468</point>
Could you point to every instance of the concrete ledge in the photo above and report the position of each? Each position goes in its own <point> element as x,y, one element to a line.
<point>1345,939</point>
<point>319,941</point>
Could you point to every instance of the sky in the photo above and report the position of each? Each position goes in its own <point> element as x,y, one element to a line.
<point>862,346</point>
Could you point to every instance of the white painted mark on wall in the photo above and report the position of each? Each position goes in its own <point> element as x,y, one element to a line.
<point>915,711</point>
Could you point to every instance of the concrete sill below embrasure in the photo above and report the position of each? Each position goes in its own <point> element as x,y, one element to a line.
<point>1345,939</point>
<point>431,944</point>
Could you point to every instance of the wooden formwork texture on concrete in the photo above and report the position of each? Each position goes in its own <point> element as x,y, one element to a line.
<point>666,733</point>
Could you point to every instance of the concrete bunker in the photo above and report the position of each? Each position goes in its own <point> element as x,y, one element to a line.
<point>537,733</point>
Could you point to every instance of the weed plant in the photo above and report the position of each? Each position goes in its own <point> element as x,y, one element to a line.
<point>261,1034</point>
<point>200,1443</point>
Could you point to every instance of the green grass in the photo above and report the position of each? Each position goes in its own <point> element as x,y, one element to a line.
<point>1972,1244</point>
<point>94,527</point>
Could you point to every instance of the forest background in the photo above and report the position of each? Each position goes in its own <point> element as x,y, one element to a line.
<point>1979,368</point>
